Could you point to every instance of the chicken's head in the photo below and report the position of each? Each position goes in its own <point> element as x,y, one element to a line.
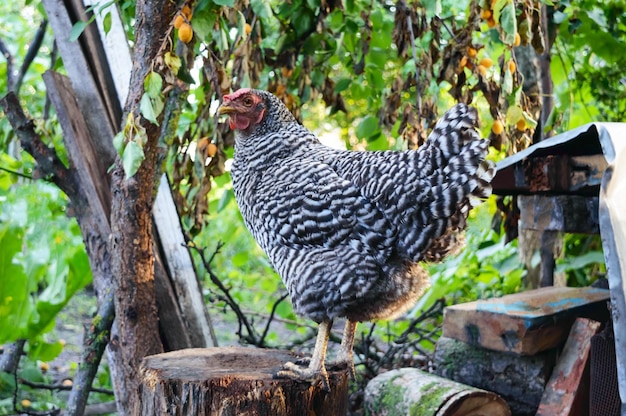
<point>245,108</point>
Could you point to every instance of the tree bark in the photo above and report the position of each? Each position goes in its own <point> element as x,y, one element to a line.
<point>234,381</point>
<point>131,221</point>
<point>409,391</point>
<point>518,379</point>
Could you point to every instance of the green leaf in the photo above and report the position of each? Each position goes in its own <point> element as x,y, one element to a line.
<point>147,110</point>
<point>227,196</point>
<point>118,142</point>
<point>507,83</point>
<point>508,23</point>
<point>368,127</point>
<point>77,30</point>
<point>342,84</point>
<point>262,9</point>
<point>153,83</point>
<point>241,25</point>
<point>45,351</point>
<point>106,23</point>
<point>132,158</point>
<point>227,3</point>
<point>514,114</point>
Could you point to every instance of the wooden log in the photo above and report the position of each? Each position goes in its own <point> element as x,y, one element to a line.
<point>234,381</point>
<point>409,391</point>
<point>527,322</point>
<point>519,380</point>
<point>567,392</point>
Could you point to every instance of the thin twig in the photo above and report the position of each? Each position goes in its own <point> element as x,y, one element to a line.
<point>270,319</point>
<point>252,338</point>
<point>61,387</point>
<point>14,172</point>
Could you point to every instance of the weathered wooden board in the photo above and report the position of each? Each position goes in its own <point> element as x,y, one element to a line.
<point>181,269</point>
<point>567,392</point>
<point>409,391</point>
<point>526,322</point>
<point>519,380</point>
<point>234,381</point>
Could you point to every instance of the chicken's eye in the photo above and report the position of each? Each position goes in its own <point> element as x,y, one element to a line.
<point>248,101</point>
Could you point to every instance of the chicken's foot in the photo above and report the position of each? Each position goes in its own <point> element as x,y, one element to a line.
<point>316,368</point>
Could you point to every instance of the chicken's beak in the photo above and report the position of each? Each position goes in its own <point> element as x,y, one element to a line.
<point>226,109</point>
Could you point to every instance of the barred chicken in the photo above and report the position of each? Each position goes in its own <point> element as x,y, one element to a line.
<point>347,230</point>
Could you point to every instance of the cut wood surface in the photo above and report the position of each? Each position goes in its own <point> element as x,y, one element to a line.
<point>234,381</point>
<point>526,322</point>
<point>567,392</point>
<point>409,391</point>
<point>519,380</point>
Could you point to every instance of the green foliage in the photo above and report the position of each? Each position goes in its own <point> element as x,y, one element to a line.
<point>587,72</point>
<point>487,267</point>
<point>42,264</point>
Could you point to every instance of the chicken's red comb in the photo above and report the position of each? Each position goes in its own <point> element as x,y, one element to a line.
<point>236,94</point>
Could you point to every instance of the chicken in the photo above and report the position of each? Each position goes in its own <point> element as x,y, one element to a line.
<point>346,230</point>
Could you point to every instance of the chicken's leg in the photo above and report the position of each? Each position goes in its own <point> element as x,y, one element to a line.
<point>345,355</point>
<point>316,367</point>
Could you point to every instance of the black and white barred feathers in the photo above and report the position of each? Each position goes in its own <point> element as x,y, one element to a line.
<point>344,229</point>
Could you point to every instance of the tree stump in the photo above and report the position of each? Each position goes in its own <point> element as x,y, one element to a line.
<point>409,391</point>
<point>234,381</point>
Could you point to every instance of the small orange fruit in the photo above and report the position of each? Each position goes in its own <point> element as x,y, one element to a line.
<point>462,63</point>
<point>185,33</point>
<point>497,127</point>
<point>25,403</point>
<point>486,14</point>
<point>486,62</point>
<point>187,12</point>
<point>512,66</point>
<point>211,149</point>
<point>44,367</point>
<point>517,40</point>
<point>67,383</point>
<point>491,23</point>
<point>178,21</point>
<point>482,70</point>
<point>248,28</point>
<point>521,124</point>
<point>471,52</point>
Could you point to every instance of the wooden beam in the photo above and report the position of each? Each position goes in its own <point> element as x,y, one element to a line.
<point>565,213</point>
<point>524,323</point>
<point>552,174</point>
<point>567,392</point>
<point>78,67</point>
<point>179,265</point>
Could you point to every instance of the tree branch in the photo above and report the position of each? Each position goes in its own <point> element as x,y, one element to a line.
<point>96,340</point>
<point>7,55</point>
<point>10,358</point>
<point>47,159</point>
<point>33,49</point>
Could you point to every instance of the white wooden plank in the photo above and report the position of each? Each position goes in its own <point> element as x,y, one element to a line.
<point>180,267</point>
